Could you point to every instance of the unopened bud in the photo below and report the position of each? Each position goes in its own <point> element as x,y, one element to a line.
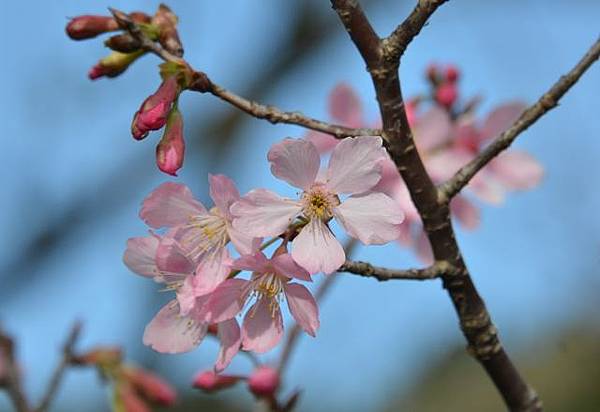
<point>209,381</point>
<point>171,148</point>
<point>168,37</point>
<point>452,74</point>
<point>150,386</point>
<point>153,113</point>
<point>89,26</point>
<point>127,399</point>
<point>264,381</point>
<point>102,356</point>
<point>446,95</point>
<point>113,65</point>
<point>124,43</point>
<point>140,17</point>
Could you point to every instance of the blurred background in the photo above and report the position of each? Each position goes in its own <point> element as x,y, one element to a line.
<point>73,180</point>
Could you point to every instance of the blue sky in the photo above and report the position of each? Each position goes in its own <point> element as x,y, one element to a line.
<point>66,141</point>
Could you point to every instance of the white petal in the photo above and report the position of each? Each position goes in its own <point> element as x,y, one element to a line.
<point>316,249</point>
<point>296,161</point>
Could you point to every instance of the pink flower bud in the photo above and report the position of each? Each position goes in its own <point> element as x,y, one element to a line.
<point>89,26</point>
<point>446,94</point>
<point>114,64</point>
<point>171,148</point>
<point>152,115</point>
<point>209,381</point>
<point>264,381</point>
<point>128,400</point>
<point>452,74</point>
<point>150,386</point>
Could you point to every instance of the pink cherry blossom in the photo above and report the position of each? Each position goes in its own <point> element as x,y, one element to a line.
<point>262,327</point>
<point>354,169</point>
<point>203,234</point>
<point>180,325</point>
<point>153,112</point>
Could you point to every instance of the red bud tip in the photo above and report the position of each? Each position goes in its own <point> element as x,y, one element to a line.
<point>452,74</point>
<point>209,381</point>
<point>152,387</point>
<point>264,381</point>
<point>152,115</point>
<point>128,399</point>
<point>446,95</point>
<point>89,26</point>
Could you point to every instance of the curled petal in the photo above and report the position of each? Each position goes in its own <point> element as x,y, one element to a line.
<point>169,332</point>
<point>264,213</point>
<point>316,249</point>
<point>223,192</point>
<point>354,166</point>
<point>170,204</point>
<point>171,257</point>
<point>263,326</point>
<point>303,307</point>
<point>373,218</point>
<point>231,340</point>
<point>296,161</point>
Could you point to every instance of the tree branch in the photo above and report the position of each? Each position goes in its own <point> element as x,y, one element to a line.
<point>61,368</point>
<point>397,42</point>
<point>382,274</point>
<point>547,102</point>
<point>260,111</point>
<point>475,321</point>
<point>12,376</point>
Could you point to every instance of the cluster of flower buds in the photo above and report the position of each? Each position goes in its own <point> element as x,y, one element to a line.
<point>159,109</point>
<point>444,84</point>
<point>134,389</point>
<point>263,382</point>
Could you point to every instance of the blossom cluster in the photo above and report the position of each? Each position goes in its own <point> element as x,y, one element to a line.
<point>448,135</point>
<point>191,248</point>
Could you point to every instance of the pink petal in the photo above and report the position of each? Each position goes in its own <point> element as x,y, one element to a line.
<point>485,186</point>
<point>264,213</point>
<point>140,254</point>
<point>423,248</point>
<point>257,262</point>
<point>433,129</point>
<point>303,307</point>
<point>443,164</point>
<point>516,170</point>
<point>354,166</point>
<point>262,328</point>
<point>502,118</point>
<point>226,301</point>
<point>170,204</point>
<point>223,192</point>
<point>465,212</point>
<point>231,339</point>
<point>243,243</point>
<point>373,218</point>
<point>212,271</point>
<point>344,106</point>
<point>171,257</point>
<point>285,265</point>
<point>323,142</point>
<point>316,249</point>
<point>186,295</point>
<point>296,161</point>
<point>168,332</point>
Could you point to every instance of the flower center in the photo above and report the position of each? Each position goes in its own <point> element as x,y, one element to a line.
<point>318,203</point>
<point>268,286</point>
<point>206,234</point>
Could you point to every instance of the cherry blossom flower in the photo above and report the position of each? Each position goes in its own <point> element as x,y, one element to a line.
<point>204,234</point>
<point>262,327</point>
<point>179,326</point>
<point>354,169</point>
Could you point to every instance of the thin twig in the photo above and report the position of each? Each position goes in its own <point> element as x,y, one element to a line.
<point>260,111</point>
<point>61,368</point>
<point>547,102</point>
<point>397,42</point>
<point>382,274</point>
<point>12,379</point>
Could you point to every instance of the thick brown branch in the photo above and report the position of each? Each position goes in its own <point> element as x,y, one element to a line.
<point>58,374</point>
<point>547,102</point>
<point>12,375</point>
<point>397,42</point>
<point>382,274</point>
<point>475,322</point>
<point>260,111</point>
